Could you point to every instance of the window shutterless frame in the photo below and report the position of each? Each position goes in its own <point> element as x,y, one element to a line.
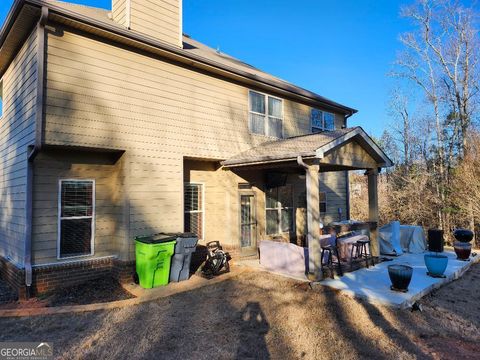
<point>201,211</point>
<point>278,208</point>
<point>265,115</point>
<point>60,218</point>
<point>323,127</point>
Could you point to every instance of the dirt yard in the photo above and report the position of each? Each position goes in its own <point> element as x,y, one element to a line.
<point>264,316</point>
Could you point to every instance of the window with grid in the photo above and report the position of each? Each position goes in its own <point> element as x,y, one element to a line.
<point>279,210</point>
<point>266,115</point>
<point>322,121</point>
<point>76,217</point>
<point>193,204</point>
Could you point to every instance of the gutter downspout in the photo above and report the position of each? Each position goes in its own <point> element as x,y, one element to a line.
<point>36,148</point>
<point>301,162</point>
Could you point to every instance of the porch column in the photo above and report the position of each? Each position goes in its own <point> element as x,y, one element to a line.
<point>372,176</point>
<point>313,220</point>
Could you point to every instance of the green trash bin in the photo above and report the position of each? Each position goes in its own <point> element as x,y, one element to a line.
<point>153,254</point>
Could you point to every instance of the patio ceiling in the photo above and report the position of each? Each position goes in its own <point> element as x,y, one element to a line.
<point>349,148</point>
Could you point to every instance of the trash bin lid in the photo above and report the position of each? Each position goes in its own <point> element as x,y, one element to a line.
<point>186,235</point>
<point>156,238</point>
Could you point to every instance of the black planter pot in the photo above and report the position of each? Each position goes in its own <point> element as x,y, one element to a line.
<point>463,235</point>
<point>435,240</point>
<point>400,276</point>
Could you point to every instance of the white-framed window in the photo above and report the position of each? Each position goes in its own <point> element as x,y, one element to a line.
<point>76,218</point>
<point>323,202</point>
<point>322,121</point>
<point>1,98</point>
<point>279,210</point>
<point>265,114</point>
<point>194,209</point>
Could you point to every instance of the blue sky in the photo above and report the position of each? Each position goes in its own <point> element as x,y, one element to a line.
<point>339,49</point>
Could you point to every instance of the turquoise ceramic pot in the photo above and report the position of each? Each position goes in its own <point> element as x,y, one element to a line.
<point>436,264</point>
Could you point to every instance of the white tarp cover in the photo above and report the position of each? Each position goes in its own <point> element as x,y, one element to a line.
<point>411,239</point>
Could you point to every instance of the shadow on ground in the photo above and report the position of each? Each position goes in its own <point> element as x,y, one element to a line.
<point>263,316</point>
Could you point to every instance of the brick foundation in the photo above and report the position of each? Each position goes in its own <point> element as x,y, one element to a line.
<point>13,276</point>
<point>50,277</point>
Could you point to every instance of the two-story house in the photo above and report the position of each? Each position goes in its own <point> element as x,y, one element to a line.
<point>115,124</point>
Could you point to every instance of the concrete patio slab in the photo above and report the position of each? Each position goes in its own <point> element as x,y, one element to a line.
<point>373,284</point>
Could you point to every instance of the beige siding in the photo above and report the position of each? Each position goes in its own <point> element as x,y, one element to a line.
<point>49,169</point>
<point>102,96</point>
<point>159,19</point>
<point>351,154</point>
<point>17,131</point>
<point>334,184</point>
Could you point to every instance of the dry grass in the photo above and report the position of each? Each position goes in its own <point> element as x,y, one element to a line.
<point>265,316</point>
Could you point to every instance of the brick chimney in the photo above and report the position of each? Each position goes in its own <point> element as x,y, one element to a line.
<point>159,19</point>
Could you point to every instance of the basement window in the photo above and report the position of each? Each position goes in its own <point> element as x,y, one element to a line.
<point>76,209</point>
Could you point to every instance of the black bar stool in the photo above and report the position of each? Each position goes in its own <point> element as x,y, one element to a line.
<point>362,251</point>
<point>331,250</point>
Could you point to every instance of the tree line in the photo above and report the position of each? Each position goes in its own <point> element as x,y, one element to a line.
<point>433,138</point>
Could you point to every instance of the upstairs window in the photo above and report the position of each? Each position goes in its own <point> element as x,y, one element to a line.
<point>1,98</point>
<point>265,115</point>
<point>322,121</point>
<point>279,207</point>
<point>76,218</point>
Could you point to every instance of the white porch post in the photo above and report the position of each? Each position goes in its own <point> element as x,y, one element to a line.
<point>372,176</point>
<point>313,220</point>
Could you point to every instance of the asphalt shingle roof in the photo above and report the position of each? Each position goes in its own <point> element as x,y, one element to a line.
<point>285,149</point>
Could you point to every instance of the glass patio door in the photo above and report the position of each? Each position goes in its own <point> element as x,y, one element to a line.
<point>248,223</point>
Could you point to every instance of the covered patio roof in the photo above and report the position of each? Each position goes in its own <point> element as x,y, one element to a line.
<point>351,148</point>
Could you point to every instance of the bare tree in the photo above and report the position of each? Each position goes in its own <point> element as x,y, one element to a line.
<point>439,57</point>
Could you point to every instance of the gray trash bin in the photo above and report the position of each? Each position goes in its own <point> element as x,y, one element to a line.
<point>184,248</point>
